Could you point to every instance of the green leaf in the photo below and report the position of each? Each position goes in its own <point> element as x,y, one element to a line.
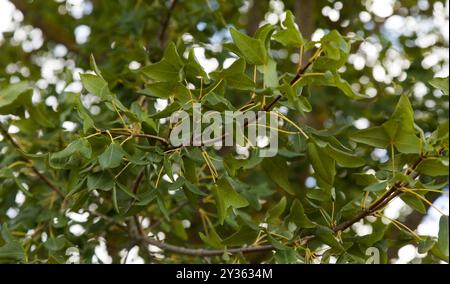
<point>167,90</point>
<point>193,69</point>
<point>414,202</point>
<point>94,65</point>
<point>288,256</point>
<point>168,167</point>
<point>290,36</point>
<point>264,33</point>
<point>296,101</point>
<point>426,244</point>
<point>440,135</point>
<point>81,146</point>
<point>168,111</point>
<point>226,197</point>
<point>245,235</point>
<point>124,189</point>
<point>407,143</point>
<point>235,76</point>
<point>114,199</point>
<point>102,180</point>
<point>270,73</point>
<point>323,165</point>
<point>162,207</point>
<point>374,136</point>
<point>345,159</point>
<point>375,187</point>
<point>277,170</point>
<point>9,94</point>
<point>237,68</point>
<point>404,114</point>
<point>398,131</point>
<point>345,87</point>
<point>88,123</point>
<point>441,84</point>
<point>336,51</point>
<point>276,211</point>
<point>326,235</point>
<point>12,250</point>
<point>212,238</point>
<point>168,69</point>
<point>442,243</point>
<point>297,216</point>
<point>95,85</point>
<point>61,159</point>
<point>178,229</point>
<point>6,173</point>
<point>433,167</point>
<point>190,171</point>
<point>55,244</point>
<point>378,231</point>
<point>112,157</point>
<point>194,189</point>
<point>253,50</point>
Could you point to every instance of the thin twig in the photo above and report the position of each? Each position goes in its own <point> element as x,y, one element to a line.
<point>138,135</point>
<point>381,202</point>
<point>5,134</point>
<point>205,252</point>
<point>137,182</point>
<point>297,77</point>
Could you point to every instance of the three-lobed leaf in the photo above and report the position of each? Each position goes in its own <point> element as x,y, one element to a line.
<point>290,36</point>
<point>253,50</point>
<point>226,198</point>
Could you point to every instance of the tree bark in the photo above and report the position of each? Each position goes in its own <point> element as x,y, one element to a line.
<point>304,14</point>
<point>255,15</point>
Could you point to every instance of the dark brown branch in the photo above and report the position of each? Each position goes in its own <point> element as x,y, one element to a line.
<point>381,202</point>
<point>297,77</point>
<point>137,182</point>
<point>165,24</point>
<point>7,136</point>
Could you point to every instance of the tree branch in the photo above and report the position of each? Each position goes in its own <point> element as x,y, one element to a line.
<point>297,77</point>
<point>393,192</point>
<point>7,136</point>
<point>205,252</point>
<point>381,202</point>
<point>139,236</point>
<point>165,24</point>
